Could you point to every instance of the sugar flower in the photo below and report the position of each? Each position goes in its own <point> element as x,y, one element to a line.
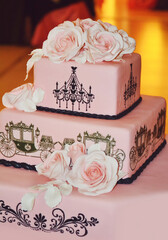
<point>24,98</point>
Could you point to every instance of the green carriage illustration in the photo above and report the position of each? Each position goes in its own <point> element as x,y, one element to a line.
<point>108,142</point>
<point>22,139</point>
<point>146,139</point>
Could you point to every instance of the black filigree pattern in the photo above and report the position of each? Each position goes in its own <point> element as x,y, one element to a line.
<point>74,225</point>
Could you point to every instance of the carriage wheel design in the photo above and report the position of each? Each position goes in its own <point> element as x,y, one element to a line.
<point>133,158</point>
<point>8,149</point>
<point>44,155</point>
<point>119,155</point>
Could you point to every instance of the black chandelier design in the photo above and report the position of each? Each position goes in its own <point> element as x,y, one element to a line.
<point>130,88</point>
<point>73,91</point>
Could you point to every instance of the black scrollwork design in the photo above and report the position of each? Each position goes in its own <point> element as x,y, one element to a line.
<point>74,225</point>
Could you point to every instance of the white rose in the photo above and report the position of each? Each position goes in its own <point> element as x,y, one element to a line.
<point>85,24</point>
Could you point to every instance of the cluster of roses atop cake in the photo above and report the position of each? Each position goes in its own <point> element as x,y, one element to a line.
<point>84,41</point>
<point>91,171</point>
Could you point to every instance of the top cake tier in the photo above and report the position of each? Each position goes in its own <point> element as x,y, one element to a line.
<point>87,68</point>
<point>103,90</point>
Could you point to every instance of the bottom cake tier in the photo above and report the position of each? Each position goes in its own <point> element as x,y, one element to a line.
<point>133,140</point>
<point>137,211</point>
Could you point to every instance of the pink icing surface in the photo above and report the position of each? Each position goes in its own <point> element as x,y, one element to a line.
<point>60,127</point>
<point>107,80</point>
<point>131,211</point>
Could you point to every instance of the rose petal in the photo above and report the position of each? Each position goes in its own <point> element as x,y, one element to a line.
<point>94,147</point>
<point>27,105</point>
<point>28,201</point>
<point>121,174</point>
<point>18,94</point>
<point>7,100</point>
<point>52,196</point>
<point>108,26</point>
<point>38,95</point>
<point>36,56</point>
<point>23,98</point>
<point>65,189</point>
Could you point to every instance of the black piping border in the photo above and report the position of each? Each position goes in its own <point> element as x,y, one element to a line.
<point>144,165</point>
<point>91,115</point>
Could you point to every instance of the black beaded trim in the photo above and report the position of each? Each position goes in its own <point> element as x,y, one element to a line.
<point>121,181</point>
<point>144,165</point>
<point>91,115</point>
<point>17,165</point>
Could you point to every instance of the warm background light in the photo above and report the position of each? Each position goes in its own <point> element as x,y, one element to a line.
<point>150,29</point>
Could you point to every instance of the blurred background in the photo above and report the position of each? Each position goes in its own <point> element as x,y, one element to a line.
<point>25,25</point>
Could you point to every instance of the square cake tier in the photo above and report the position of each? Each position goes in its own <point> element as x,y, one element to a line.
<point>106,89</point>
<point>132,140</point>
<point>114,216</point>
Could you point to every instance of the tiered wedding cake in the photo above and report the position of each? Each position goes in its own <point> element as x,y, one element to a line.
<point>83,124</point>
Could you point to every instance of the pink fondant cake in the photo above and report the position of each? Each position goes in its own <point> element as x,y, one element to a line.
<point>86,71</point>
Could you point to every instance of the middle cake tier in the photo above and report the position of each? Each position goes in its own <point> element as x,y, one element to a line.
<point>32,137</point>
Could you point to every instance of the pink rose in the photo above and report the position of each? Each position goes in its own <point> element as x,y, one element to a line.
<point>129,43</point>
<point>56,166</point>
<point>76,150</point>
<point>103,45</point>
<point>85,24</point>
<point>84,54</point>
<point>84,41</point>
<point>94,173</point>
<point>107,26</point>
<point>63,42</point>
